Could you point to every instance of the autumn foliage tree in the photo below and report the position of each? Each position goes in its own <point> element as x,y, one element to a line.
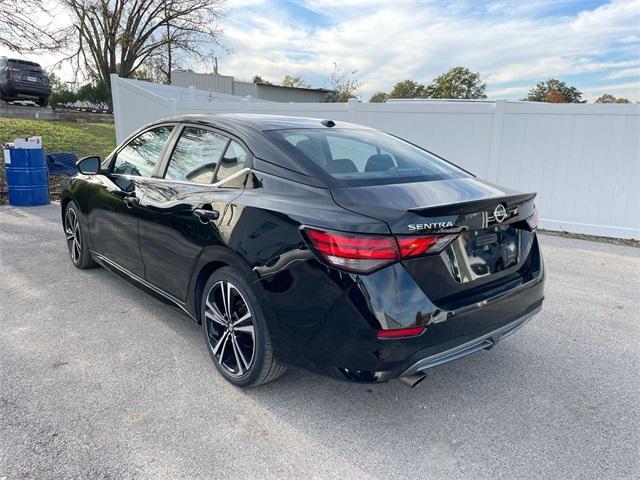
<point>554,91</point>
<point>554,96</point>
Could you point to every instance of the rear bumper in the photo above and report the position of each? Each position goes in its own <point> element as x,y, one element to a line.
<point>28,89</point>
<point>329,324</point>
<point>462,333</point>
<point>327,321</point>
<point>484,342</point>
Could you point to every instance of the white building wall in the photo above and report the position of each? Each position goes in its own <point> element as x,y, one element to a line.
<point>583,160</point>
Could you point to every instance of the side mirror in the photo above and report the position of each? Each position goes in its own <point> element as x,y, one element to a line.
<point>89,165</point>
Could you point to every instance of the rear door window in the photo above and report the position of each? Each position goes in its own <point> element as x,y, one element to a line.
<point>233,161</point>
<point>141,155</point>
<point>196,155</point>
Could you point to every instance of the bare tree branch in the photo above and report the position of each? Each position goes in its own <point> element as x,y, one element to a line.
<point>116,36</point>
<point>20,33</point>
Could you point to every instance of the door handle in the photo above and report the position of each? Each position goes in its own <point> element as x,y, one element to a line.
<point>206,216</point>
<point>130,201</point>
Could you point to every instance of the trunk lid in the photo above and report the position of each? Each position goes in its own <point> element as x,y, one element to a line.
<point>494,239</point>
<point>429,207</point>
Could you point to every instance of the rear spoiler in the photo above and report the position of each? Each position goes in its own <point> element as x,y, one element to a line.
<point>474,206</point>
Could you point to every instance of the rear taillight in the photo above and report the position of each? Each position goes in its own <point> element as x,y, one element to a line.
<point>366,253</point>
<point>400,333</point>
<point>12,72</point>
<point>416,246</point>
<point>533,221</point>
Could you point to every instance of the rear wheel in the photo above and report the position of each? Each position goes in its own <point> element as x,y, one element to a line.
<point>236,332</point>
<point>43,101</point>
<point>76,242</point>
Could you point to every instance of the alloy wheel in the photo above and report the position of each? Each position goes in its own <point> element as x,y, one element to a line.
<point>72,231</point>
<point>230,328</point>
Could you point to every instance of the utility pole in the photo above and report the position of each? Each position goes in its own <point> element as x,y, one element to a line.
<point>169,53</point>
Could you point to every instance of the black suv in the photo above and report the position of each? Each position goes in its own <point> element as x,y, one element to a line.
<point>23,79</point>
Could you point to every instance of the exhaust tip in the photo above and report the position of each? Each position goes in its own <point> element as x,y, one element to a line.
<point>412,380</point>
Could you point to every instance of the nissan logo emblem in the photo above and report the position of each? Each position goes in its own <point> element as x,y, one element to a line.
<point>500,213</point>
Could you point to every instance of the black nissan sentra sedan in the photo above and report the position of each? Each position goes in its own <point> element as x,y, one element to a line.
<point>309,242</point>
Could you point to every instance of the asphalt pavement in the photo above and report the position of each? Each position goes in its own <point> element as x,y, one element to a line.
<point>99,380</point>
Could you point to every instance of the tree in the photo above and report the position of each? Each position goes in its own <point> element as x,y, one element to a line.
<point>407,89</point>
<point>294,82</point>
<point>64,97</point>
<point>20,33</point>
<point>61,94</point>
<point>259,79</point>
<point>554,96</point>
<point>379,97</point>
<point>97,95</point>
<point>459,82</point>
<point>606,98</point>
<point>154,69</point>
<point>552,90</point>
<point>119,36</point>
<point>344,85</point>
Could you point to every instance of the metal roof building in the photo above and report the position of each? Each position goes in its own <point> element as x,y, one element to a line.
<point>229,85</point>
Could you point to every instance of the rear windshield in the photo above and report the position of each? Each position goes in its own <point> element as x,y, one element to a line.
<point>24,65</point>
<point>363,157</point>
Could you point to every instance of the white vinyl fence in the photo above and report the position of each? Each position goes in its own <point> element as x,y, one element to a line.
<point>583,160</point>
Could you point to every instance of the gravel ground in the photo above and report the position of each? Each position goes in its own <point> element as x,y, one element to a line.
<point>98,380</point>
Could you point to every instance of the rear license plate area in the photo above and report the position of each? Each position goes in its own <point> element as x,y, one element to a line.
<point>492,250</point>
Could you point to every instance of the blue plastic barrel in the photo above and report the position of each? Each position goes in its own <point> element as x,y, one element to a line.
<point>27,176</point>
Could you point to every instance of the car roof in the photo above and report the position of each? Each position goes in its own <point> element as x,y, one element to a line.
<point>260,122</point>
<point>250,129</point>
<point>20,61</point>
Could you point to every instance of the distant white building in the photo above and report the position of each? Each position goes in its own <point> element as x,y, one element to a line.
<point>226,84</point>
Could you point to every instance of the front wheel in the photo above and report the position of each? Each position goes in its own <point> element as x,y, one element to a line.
<point>75,236</point>
<point>236,332</point>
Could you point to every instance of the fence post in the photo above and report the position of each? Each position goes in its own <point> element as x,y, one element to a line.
<point>115,105</point>
<point>352,109</point>
<point>496,141</point>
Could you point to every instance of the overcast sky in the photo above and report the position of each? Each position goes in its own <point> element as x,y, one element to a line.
<point>594,45</point>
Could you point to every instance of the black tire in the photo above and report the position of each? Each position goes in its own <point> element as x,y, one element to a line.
<point>43,101</point>
<point>76,238</point>
<point>230,345</point>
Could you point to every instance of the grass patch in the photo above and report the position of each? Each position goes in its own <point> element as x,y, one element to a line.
<point>83,139</point>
